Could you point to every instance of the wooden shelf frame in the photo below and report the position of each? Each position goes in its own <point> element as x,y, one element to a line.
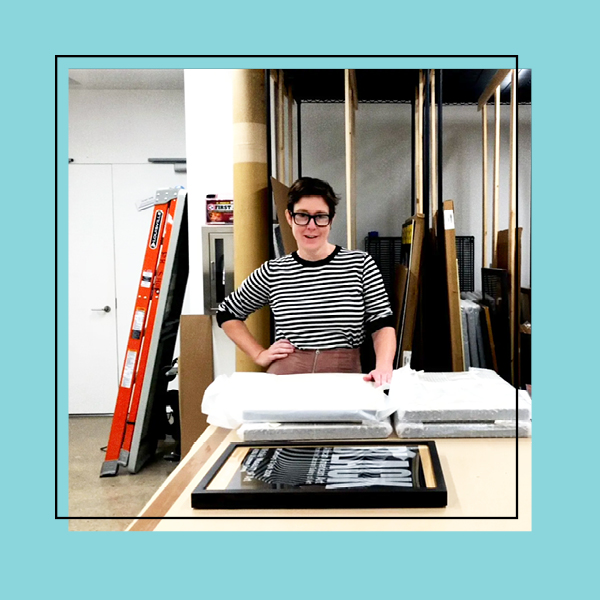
<point>513,268</point>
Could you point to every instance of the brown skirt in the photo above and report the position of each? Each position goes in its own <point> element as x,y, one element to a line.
<point>342,360</point>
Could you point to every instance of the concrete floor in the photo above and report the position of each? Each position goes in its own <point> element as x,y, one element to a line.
<point>94,500</point>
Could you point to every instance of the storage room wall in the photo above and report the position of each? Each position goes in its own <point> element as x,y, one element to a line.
<point>383,171</point>
<point>463,176</point>
<point>126,126</point>
<point>123,128</point>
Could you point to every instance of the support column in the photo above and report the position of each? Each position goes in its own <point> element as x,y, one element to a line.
<point>290,138</point>
<point>351,106</point>
<point>426,146</point>
<point>513,265</point>
<point>433,148</point>
<point>484,217</point>
<point>279,128</point>
<point>496,201</point>
<point>252,227</point>
<point>421,165</point>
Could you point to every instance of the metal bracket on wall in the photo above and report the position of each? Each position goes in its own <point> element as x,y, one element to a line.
<point>179,164</point>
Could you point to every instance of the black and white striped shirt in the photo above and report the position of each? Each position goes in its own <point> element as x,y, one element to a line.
<point>325,304</point>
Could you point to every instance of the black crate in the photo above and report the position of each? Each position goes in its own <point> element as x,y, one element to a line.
<point>386,252</point>
<point>495,296</point>
<point>465,253</point>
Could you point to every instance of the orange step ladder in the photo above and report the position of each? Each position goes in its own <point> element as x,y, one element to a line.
<point>136,360</point>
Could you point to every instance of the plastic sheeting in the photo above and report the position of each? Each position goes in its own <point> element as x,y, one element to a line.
<point>473,395</point>
<point>314,397</point>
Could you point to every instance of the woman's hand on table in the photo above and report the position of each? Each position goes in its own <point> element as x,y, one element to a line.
<point>379,376</point>
<point>384,342</point>
<point>277,351</point>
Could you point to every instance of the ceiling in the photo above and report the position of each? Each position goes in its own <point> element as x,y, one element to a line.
<point>459,86</point>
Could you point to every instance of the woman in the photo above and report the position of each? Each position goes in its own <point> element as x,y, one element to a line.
<point>324,298</point>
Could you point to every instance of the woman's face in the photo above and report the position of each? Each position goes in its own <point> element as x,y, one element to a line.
<point>311,239</point>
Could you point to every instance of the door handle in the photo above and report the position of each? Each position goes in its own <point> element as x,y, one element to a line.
<point>105,309</point>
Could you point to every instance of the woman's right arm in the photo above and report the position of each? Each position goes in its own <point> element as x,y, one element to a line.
<point>239,333</point>
<point>252,294</point>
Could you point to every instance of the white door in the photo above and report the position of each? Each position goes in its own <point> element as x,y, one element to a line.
<point>93,367</point>
<point>107,242</point>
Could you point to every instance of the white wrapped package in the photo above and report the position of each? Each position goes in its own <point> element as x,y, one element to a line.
<point>267,432</point>
<point>473,395</point>
<point>313,397</point>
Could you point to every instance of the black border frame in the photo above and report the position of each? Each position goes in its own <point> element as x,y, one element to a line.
<point>318,498</point>
<point>58,57</point>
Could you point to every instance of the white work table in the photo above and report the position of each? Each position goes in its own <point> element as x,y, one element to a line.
<point>481,478</point>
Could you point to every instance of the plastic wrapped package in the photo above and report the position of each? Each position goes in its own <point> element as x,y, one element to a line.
<point>477,403</point>
<point>307,398</point>
<point>473,395</point>
<point>264,432</point>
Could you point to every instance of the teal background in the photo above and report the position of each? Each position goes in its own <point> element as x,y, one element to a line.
<point>558,45</point>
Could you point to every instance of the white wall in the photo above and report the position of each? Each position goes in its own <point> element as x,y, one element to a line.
<point>122,129</point>
<point>382,174</point>
<point>209,141</point>
<point>384,168</point>
<point>209,152</point>
<point>126,126</point>
<point>462,130</point>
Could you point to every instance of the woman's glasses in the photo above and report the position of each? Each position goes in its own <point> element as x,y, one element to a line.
<point>300,218</point>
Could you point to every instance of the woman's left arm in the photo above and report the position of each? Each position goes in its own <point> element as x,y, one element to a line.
<point>384,342</point>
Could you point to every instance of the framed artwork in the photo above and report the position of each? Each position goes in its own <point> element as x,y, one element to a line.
<point>385,474</point>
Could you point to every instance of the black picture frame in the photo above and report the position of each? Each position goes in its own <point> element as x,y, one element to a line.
<point>228,486</point>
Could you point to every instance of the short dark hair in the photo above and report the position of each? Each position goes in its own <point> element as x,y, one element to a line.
<point>309,186</point>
